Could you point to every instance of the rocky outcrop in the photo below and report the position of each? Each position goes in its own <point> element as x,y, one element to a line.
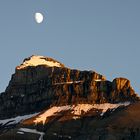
<point>36,87</point>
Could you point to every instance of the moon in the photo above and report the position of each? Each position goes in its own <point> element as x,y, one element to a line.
<point>39,17</point>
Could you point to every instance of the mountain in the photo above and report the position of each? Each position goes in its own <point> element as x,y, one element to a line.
<point>47,100</point>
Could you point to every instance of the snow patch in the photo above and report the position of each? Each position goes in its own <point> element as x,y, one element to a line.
<point>71,82</point>
<point>16,119</point>
<point>77,110</point>
<point>34,131</point>
<point>104,107</point>
<point>50,112</point>
<point>38,60</point>
<point>19,132</point>
<point>81,108</point>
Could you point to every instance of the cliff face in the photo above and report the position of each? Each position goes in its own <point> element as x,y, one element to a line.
<point>41,82</point>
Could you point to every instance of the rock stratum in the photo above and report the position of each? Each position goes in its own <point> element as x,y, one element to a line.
<point>47,100</point>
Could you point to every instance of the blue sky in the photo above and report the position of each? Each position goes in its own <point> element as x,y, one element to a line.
<point>100,35</point>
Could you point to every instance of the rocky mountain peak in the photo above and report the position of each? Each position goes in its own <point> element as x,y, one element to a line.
<point>36,60</point>
<point>48,99</point>
<point>40,82</point>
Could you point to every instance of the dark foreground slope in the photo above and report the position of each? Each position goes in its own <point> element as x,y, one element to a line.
<point>123,124</point>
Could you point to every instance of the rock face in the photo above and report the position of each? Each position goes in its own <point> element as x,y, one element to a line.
<point>40,82</point>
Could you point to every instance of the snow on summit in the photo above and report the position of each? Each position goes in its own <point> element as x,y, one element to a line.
<point>35,60</point>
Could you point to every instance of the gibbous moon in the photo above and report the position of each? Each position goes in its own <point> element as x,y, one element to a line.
<point>39,17</point>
